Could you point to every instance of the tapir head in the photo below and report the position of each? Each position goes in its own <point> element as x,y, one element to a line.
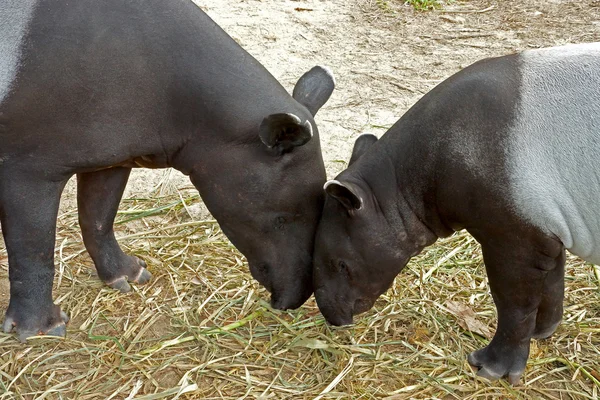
<point>357,254</point>
<point>266,191</point>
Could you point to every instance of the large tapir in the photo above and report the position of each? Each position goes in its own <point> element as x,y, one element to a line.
<point>507,149</point>
<point>95,88</point>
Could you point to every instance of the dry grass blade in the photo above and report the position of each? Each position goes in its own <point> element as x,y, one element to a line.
<point>200,329</point>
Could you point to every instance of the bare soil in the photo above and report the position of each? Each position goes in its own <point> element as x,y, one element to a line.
<point>385,55</point>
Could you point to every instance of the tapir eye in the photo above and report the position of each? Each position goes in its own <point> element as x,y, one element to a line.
<point>280,222</point>
<point>344,269</point>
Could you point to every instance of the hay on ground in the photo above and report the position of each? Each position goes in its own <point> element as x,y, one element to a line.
<point>202,328</point>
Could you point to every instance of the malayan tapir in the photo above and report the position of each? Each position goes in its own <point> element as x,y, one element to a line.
<point>95,88</point>
<point>507,149</point>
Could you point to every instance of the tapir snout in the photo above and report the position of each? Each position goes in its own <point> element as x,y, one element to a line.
<point>288,290</point>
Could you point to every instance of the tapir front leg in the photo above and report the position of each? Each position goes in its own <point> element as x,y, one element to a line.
<point>98,196</point>
<point>517,271</point>
<point>28,211</point>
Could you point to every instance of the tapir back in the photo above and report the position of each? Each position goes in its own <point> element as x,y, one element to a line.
<point>553,147</point>
<point>120,77</point>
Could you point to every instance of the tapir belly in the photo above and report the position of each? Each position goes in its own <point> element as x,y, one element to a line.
<point>554,147</point>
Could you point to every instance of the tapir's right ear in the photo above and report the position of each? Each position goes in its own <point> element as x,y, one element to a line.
<point>345,193</point>
<point>361,145</point>
<point>283,132</point>
<point>314,88</point>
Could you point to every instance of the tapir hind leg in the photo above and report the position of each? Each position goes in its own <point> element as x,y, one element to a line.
<point>517,271</point>
<point>550,311</point>
<point>98,196</point>
<point>28,211</point>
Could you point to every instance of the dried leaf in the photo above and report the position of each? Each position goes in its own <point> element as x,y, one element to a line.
<point>467,319</point>
<point>312,343</point>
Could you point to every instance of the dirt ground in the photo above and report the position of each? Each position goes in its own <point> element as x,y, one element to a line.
<point>385,56</point>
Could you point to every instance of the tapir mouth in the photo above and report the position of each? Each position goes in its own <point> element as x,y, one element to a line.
<point>286,294</point>
<point>292,296</point>
<point>283,303</point>
<point>333,315</point>
<point>339,319</point>
<point>260,272</point>
<point>362,305</point>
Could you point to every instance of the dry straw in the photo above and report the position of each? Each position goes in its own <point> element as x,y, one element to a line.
<point>202,329</point>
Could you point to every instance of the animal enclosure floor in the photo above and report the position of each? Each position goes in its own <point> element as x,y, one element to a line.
<point>202,329</point>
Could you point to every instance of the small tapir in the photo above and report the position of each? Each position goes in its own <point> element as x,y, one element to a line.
<point>506,149</point>
<point>95,88</point>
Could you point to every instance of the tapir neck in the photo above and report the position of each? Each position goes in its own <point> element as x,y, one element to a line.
<point>402,193</point>
<point>448,147</point>
<point>414,167</point>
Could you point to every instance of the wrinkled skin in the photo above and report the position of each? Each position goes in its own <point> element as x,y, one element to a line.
<point>100,88</point>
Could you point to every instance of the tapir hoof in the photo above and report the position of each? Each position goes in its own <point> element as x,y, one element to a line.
<point>57,327</point>
<point>141,276</point>
<point>511,365</point>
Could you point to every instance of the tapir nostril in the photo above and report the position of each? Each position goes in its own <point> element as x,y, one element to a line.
<point>262,268</point>
<point>260,272</point>
<point>290,299</point>
<point>278,304</point>
<point>361,306</point>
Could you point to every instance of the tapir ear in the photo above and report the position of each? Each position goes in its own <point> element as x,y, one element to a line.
<point>344,193</point>
<point>284,131</point>
<point>314,88</point>
<point>361,145</point>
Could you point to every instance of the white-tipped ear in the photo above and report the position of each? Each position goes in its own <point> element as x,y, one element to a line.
<point>345,193</point>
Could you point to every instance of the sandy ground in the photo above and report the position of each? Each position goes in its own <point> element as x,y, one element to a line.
<point>384,54</point>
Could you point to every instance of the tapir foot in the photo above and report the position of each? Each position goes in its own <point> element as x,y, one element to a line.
<point>27,326</point>
<point>134,270</point>
<point>494,365</point>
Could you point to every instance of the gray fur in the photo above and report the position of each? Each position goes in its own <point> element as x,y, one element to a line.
<point>555,146</point>
<point>14,18</point>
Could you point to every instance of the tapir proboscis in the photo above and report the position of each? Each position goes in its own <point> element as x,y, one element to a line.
<point>95,88</point>
<point>507,149</point>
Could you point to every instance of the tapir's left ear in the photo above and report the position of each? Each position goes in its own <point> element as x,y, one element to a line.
<point>283,132</point>
<point>345,193</point>
<point>361,145</point>
<point>314,88</point>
